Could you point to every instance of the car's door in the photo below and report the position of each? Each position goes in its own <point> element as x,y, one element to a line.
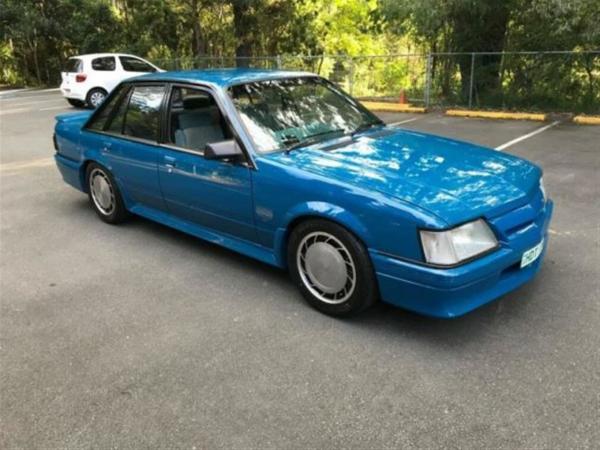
<point>130,143</point>
<point>213,193</point>
<point>104,73</point>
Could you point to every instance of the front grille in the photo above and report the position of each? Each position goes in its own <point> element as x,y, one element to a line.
<point>516,222</point>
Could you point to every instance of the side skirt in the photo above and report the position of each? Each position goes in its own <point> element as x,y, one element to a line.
<point>232,243</point>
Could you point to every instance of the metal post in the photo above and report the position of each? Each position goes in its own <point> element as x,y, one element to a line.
<point>428,79</point>
<point>278,61</point>
<point>471,80</point>
<point>351,81</point>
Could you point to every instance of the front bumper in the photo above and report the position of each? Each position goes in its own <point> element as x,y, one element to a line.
<point>453,292</point>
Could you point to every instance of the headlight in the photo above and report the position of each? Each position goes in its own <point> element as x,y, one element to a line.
<point>543,189</point>
<point>450,247</point>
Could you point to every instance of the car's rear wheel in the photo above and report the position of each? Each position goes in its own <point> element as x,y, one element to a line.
<point>76,103</point>
<point>332,268</point>
<point>104,194</point>
<point>95,97</point>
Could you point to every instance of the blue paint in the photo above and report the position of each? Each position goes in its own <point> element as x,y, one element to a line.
<point>383,185</point>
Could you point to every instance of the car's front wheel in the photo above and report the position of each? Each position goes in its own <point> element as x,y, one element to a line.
<point>95,97</point>
<point>332,268</point>
<point>104,194</point>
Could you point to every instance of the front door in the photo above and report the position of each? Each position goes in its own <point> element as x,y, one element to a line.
<point>213,193</point>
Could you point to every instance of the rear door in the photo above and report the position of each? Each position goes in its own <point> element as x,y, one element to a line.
<point>104,73</point>
<point>129,144</point>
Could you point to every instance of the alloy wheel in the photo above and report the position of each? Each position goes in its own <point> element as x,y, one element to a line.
<point>326,267</point>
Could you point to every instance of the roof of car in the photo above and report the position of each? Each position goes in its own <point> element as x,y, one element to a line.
<point>223,77</point>
<point>99,55</point>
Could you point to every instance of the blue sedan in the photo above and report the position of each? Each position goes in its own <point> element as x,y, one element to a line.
<point>286,168</point>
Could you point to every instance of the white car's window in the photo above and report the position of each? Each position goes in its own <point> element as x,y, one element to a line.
<point>73,65</point>
<point>106,63</point>
<point>135,65</point>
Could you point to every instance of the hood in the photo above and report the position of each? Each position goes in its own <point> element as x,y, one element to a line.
<point>454,180</point>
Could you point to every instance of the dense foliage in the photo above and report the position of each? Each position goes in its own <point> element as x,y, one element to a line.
<point>36,37</point>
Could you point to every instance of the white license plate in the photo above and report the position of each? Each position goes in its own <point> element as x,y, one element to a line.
<point>532,254</point>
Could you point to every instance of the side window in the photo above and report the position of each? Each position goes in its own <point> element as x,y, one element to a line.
<point>104,64</point>
<point>143,112</point>
<point>195,119</point>
<point>98,122</point>
<point>115,122</point>
<point>135,65</point>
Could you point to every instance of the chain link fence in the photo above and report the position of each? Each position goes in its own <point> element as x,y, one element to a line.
<point>544,81</point>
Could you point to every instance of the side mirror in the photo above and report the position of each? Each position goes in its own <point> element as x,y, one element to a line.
<point>223,150</point>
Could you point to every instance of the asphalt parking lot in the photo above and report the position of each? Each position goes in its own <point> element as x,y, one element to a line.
<point>139,336</point>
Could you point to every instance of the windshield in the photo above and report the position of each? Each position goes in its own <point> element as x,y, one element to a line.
<point>286,113</point>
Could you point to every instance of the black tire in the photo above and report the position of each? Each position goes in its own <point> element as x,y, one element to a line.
<point>117,212</point>
<point>76,103</point>
<point>363,291</point>
<point>91,98</point>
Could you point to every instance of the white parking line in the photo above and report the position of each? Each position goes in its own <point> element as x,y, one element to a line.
<point>526,136</point>
<point>54,107</point>
<point>404,121</point>
<point>54,100</point>
<point>14,111</point>
<point>12,91</point>
<point>18,97</point>
<point>47,90</point>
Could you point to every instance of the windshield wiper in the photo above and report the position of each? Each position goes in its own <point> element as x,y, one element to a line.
<point>312,139</point>
<point>365,126</point>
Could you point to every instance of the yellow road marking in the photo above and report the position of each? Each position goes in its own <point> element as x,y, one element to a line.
<point>393,107</point>
<point>495,114</point>
<point>587,120</point>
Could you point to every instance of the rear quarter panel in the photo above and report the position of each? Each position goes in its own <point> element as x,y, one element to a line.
<point>68,134</point>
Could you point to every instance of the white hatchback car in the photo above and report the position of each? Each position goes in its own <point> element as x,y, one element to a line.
<point>87,79</point>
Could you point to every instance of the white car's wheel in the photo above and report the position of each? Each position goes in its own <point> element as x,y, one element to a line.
<point>95,97</point>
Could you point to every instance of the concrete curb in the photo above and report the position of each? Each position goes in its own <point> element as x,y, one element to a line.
<point>393,107</point>
<point>496,115</point>
<point>587,120</point>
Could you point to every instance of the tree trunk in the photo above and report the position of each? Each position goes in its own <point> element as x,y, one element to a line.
<point>242,30</point>
<point>481,28</point>
<point>197,46</point>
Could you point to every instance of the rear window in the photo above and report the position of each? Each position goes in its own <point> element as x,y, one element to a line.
<point>104,64</point>
<point>73,65</point>
<point>141,119</point>
<point>98,122</point>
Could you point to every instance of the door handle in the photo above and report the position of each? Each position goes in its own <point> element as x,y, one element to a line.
<point>170,163</point>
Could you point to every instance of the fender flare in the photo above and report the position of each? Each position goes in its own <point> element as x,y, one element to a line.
<point>316,210</point>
